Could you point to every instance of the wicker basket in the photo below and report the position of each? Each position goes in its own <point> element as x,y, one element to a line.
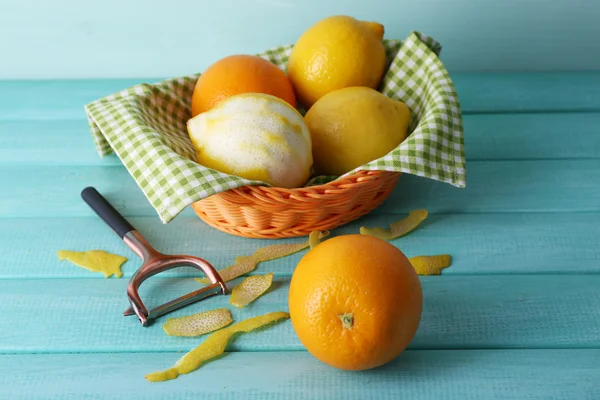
<point>265,212</point>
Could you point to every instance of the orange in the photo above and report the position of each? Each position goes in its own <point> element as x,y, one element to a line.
<point>238,74</point>
<point>355,302</point>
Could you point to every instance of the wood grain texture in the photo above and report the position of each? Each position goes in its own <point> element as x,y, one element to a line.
<point>465,375</point>
<point>479,243</point>
<point>516,316</point>
<point>478,93</point>
<point>49,142</point>
<point>492,186</point>
<point>544,93</point>
<point>505,186</point>
<point>487,137</point>
<point>117,39</point>
<point>56,99</point>
<point>531,136</point>
<point>459,312</point>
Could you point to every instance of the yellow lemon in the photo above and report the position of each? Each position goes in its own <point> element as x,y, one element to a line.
<point>334,53</point>
<point>255,136</point>
<point>352,126</point>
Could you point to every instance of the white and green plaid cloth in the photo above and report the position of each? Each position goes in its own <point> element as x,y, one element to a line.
<point>145,125</point>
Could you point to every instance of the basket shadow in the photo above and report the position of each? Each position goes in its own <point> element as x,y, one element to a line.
<point>415,192</point>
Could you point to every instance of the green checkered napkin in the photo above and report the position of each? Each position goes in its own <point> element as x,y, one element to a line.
<point>145,126</point>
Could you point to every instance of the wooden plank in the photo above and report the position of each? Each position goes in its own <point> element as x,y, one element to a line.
<point>476,35</point>
<point>505,186</point>
<point>478,93</point>
<point>56,191</point>
<point>479,243</point>
<point>531,136</point>
<point>492,186</point>
<point>56,99</point>
<point>49,142</point>
<point>539,92</point>
<point>487,137</point>
<point>460,312</point>
<point>450,374</point>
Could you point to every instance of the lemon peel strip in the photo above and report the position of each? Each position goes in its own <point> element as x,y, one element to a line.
<point>213,346</point>
<point>250,289</point>
<point>430,265</point>
<point>314,239</point>
<point>398,228</point>
<point>245,264</point>
<point>95,260</point>
<point>199,323</point>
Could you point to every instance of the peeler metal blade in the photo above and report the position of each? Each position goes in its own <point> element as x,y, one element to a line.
<point>153,263</point>
<point>175,303</point>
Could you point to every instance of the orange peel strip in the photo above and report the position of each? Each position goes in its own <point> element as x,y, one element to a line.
<point>250,289</point>
<point>213,346</point>
<point>245,264</point>
<point>95,260</point>
<point>398,228</point>
<point>430,265</point>
<point>199,323</point>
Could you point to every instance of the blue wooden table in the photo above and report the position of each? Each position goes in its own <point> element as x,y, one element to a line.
<point>517,315</point>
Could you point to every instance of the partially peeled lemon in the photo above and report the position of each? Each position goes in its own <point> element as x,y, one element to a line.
<point>254,136</point>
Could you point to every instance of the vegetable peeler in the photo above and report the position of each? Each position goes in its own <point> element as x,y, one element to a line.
<point>153,263</point>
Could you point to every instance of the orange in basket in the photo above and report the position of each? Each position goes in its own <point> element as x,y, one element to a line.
<point>240,73</point>
<point>268,212</point>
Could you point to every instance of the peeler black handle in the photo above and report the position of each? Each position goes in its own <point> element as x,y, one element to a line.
<point>105,211</point>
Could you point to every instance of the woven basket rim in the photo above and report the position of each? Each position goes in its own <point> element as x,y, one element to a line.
<point>332,188</point>
<point>272,212</point>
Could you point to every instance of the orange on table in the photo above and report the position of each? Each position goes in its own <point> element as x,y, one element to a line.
<point>238,74</point>
<point>355,302</point>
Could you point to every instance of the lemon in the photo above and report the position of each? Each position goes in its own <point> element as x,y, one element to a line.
<point>352,126</point>
<point>336,52</point>
<point>255,136</point>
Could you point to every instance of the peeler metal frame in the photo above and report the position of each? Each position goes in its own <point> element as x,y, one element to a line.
<point>153,263</point>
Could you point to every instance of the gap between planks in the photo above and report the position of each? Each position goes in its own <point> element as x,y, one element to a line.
<point>487,138</point>
<point>558,186</point>
<point>473,374</point>
<point>492,92</point>
<point>460,312</point>
<point>480,244</point>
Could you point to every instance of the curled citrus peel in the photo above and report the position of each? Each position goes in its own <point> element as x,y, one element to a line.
<point>245,264</point>
<point>199,323</point>
<point>314,238</point>
<point>398,228</point>
<point>213,346</point>
<point>95,261</point>
<point>430,265</point>
<point>250,289</point>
